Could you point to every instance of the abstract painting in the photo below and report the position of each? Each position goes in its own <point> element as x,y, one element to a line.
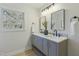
<point>11,20</point>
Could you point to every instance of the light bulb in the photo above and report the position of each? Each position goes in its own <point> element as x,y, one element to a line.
<point>51,9</point>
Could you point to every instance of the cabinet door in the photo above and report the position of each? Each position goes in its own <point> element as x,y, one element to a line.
<point>33,39</point>
<point>52,48</point>
<point>39,42</point>
<point>45,46</point>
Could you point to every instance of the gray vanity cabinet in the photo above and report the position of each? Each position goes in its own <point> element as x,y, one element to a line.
<point>37,42</point>
<point>49,47</point>
<point>45,46</point>
<point>57,49</point>
<point>52,48</point>
<point>33,40</point>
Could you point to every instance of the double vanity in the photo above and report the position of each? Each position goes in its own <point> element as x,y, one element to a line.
<point>49,45</point>
<point>54,44</point>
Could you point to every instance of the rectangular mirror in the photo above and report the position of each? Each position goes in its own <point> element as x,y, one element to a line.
<point>42,20</point>
<point>58,20</point>
<point>48,18</point>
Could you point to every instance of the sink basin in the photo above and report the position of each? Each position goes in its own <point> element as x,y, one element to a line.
<point>58,39</point>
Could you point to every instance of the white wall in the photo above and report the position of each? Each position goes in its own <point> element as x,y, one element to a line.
<point>12,42</point>
<point>70,11</point>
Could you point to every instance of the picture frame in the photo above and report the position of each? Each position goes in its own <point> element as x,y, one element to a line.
<point>11,20</point>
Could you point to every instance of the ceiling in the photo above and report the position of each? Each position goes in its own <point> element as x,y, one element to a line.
<point>33,5</point>
<point>37,5</point>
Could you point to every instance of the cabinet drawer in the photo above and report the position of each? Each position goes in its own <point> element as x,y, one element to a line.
<point>33,40</point>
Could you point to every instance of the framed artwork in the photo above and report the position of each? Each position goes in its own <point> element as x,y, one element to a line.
<point>11,20</point>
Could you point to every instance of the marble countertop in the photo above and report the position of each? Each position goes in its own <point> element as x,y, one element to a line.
<point>51,37</point>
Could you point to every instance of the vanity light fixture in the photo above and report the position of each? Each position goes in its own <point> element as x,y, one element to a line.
<point>46,10</point>
<point>48,7</point>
